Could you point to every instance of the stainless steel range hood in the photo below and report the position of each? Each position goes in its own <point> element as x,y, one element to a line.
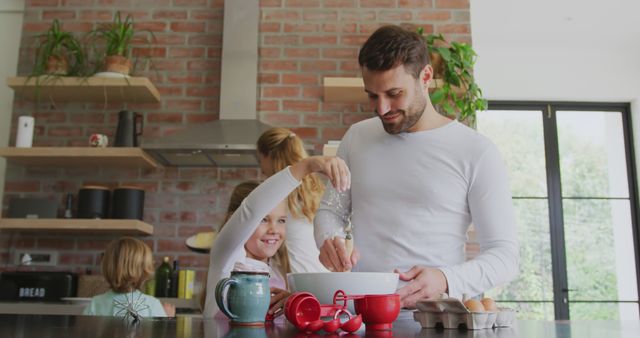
<point>230,141</point>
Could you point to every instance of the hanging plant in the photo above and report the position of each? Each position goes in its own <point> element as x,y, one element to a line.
<point>458,95</point>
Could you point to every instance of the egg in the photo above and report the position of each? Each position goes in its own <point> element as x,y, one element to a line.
<point>474,305</point>
<point>489,304</point>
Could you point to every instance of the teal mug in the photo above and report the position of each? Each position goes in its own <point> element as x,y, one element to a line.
<point>244,297</point>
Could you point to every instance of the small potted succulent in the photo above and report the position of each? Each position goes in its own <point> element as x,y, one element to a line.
<point>117,37</point>
<point>58,53</point>
<point>459,95</point>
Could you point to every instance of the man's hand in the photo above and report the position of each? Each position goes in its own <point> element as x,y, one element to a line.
<point>334,256</point>
<point>423,283</point>
<point>278,297</point>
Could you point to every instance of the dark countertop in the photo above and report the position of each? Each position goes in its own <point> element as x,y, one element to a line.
<point>39,326</point>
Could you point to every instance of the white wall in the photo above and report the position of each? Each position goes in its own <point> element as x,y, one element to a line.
<point>561,50</point>
<point>11,13</point>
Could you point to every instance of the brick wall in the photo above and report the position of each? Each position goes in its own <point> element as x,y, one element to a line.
<point>301,41</point>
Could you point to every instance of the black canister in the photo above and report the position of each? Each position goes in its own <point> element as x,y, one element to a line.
<point>128,203</point>
<point>93,202</point>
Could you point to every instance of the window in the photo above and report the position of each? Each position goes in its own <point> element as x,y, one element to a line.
<point>573,187</point>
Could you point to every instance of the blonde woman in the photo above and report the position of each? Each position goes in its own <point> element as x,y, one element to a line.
<point>126,264</point>
<point>277,149</point>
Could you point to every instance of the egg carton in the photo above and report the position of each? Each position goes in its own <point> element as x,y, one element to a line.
<point>452,314</point>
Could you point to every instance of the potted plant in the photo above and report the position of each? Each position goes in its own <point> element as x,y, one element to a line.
<point>58,52</point>
<point>117,36</point>
<point>459,96</point>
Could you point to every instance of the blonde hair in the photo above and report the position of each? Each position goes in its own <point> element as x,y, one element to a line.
<point>283,147</point>
<point>126,264</point>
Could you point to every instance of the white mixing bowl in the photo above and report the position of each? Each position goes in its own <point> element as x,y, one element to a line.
<point>324,284</point>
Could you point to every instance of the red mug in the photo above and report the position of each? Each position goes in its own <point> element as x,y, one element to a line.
<point>378,311</point>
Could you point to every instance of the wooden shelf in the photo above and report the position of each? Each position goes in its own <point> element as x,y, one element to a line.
<point>93,226</point>
<point>79,157</point>
<point>85,89</point>
<point>351,89</point>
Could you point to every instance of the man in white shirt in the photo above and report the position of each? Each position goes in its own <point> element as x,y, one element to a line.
<point>419,180</point>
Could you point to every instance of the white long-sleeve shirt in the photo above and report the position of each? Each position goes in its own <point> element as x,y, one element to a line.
<point>303,253</point>
<point>228,247</point>
<point>414,195</point>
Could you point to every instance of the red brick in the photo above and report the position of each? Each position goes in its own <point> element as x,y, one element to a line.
<point>300,28</point>
<point>171,245</point>
<point>378,3</point>
<point>339,27</point>
<point>168,216</point>
<point>340,3</point>
<point>190,230</point>
<point>87,118</point>
<point>279,119</point>
<point>164,117</point>
<point>198,173</point>
<point>93,244</point>
<point>296,53</point>
<point>269,27</point>
<point>200,118</point>
<point>164,15</point>
<point>353,40</point>
<point>319,65</point>
<point>50,117</point>
<point>170,65</point>
<point>415,3</point>
<point>452,4</point>
<point>169,39</point>
<point>340,53</point>
<point>203,65</point>
<point>280,92</point>
<point>272,105</point>
<point>209,16</point>
<point>65,131</point>
<point>78,27</point>
<point>433,15</point>
<point>138,15</point>
<point>300,106</point>
<point>322,119</point>
<point>206,40</point>
<point>61,186</point>
<point>453,29</point>
<point>177,52</point>
<point>270,3</point>
<point>158,52</point>
<point>357,15</point>
<point>41,3</point>
<point>319,40</point>
<point>280,15</point>
<point>160,201</point>
<point>96,15</point>
<point>24,243</point>
<point>62,15</point>
<point>351,118</point>
<point>239,173</point>
<point>183,104</point>
<point>394,16</point>
<point>190,3</point>
<point>188,217</point>
<point>212,105</point>
<point>199,201</point>
<point>170,90</point>
<point>56,243</point>
<point>306,132</point>
<point>271,65</point>
<point>193,261</point>
<point>281,40</point>
<point>299,79</point>
<point>154,26</point>
<point>302,3</point>
<point>188,27</point>
<point>75,259</point>
<point>35,27</point>
<point>177,187</point>
<point>185,79</point>
<point>312,92</point>
<point>203,91</point>
<point>268,78</point>
<point>333,133</point>
<point>320,15</point>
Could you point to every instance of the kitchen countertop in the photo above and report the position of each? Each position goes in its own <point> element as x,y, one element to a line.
<point>28,326</point>
<point>62,308</point>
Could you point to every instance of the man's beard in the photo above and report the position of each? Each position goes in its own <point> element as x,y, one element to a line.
<point>415,109</point>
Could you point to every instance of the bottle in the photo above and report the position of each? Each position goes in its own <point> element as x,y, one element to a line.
<point>173,289</point>
<point>163,278</point>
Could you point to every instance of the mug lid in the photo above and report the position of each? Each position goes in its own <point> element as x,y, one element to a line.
<point>133,187</point>
<point>238,272</point>
<point>94,187</point>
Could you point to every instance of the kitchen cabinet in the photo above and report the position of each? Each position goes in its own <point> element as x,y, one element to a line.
<point>75,225</point>
<point>114,157</point>
<point>84,89</point>
<point>351,89</point>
